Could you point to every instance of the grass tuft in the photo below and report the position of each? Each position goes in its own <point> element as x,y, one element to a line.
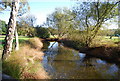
<point>35,43</point>
<point>12,69</point>
<point>25,63</point>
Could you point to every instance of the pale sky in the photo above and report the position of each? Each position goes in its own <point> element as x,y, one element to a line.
<point>41,8</point>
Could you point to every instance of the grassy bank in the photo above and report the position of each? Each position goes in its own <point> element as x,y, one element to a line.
<point>105,41</point>
<point>97,42</point>
<point>101,47</point>
<point>25,63</point>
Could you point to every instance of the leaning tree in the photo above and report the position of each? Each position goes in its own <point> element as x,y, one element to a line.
<point>92,15</point>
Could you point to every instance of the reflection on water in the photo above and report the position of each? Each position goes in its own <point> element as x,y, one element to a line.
<point>65,63</point>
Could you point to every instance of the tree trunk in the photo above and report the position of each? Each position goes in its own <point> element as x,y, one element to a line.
<point>11,30</point>
<point>16,40</point>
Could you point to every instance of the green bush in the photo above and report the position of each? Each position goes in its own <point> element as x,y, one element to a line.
<point>42,32</point>
<point>26,31</point>
<point>73,44</point>
<point>3,27</point>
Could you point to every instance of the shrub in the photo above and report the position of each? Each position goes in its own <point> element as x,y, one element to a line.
<point>26,31</point>
<point>73,44</point>
<point>42,32</point>
<point>75,40</point>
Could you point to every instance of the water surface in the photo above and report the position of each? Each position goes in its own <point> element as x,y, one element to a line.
<point>64,63</point>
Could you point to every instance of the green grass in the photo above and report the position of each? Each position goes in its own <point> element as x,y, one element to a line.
<point>20,37</point>
<point>21,40</point>
<point>105,41</point>
<point>55,36</point>
<point>114,39</point>
<point>107,38</point>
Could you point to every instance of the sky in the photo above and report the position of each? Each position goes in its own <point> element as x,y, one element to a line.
<point>42,8</point>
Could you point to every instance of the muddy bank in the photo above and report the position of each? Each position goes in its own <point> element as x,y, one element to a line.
<point>50,39</point>
<point>111,54</point>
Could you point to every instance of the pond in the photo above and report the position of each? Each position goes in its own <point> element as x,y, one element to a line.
<point>64,63</point>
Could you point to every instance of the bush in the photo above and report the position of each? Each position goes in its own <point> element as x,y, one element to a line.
<point>42,32</point>
<point>73,44</point>
<point>3,27</point>
<point>77,40</point>
<point>26,31</point>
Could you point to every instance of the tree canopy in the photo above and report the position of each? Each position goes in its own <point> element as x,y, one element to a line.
<point>62,20</point>
<point>3,27</point>
<point>92,15</point>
